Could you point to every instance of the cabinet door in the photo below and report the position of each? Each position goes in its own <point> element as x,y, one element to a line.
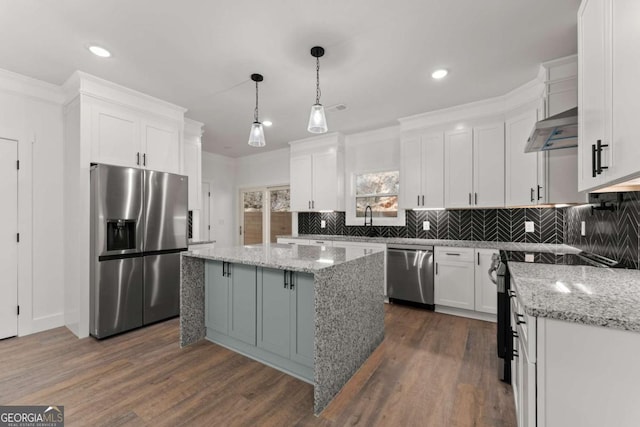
<point>216,297</point>
<point>274,301</point>
<point>300,177</point>
<point>242,302</point>
<point>458,168</point>
<point>521,168</point>
<point>325,182</point>
<point>192,166</point>
<point>411,172</point>
<point>486,291</point>
<point>433,170</point>
<point>453,285</point>
<point>302,319</point>
<point>488,165</point>
<point>115,136</point>
<point>626,91</point>
<point>593,86</point>
<point>162,151</point>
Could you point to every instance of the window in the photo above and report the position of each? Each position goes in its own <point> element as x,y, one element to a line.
<point>378,190</point>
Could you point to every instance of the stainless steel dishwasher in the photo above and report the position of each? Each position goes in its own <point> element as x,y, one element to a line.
<point>410,274</point>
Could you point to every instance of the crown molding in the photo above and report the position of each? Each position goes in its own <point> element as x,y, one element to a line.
<point>29,87</point>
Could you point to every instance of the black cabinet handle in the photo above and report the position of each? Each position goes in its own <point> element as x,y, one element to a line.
<point>539,188</point>
<point>313,204</point>
<point>593,161</point>
<point>452,254</point>
<point>518,321</point>
<point>514,334</point>
<point>138,158</point>
<point>436,268</point>
<point>469,199</point>
<point>532,197</point>
<point>599,167</point>
<point>285,279</point>
<point>475,195</point>
<point>478,258</point>
<point>144,159</point>
<point>515,353</point>
<point>291,284</point>
<point>423,200</point>
<point>418,201</point>
<point>224,268</point>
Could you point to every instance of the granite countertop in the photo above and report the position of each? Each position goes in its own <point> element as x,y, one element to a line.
<point>303,258</point>
<point>512,246</point>
<point>589,295</point>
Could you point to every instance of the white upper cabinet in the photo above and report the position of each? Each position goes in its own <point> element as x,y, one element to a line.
<point>422,171</point>
<point>474,167</point>
<point>458,168</point>
<point>317,174</point>
<point>161,145</point>
<point>522,185</point>
<point>192,166</point>
<point>609,96</point>
<point>486,298</point>
<point>115,136</point>
<point>488,165</point>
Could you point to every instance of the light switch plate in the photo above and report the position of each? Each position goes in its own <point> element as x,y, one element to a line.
<point>583,228</point>
<point>529,258</point>
<point>323,223</point>
<point>529,227</point>
<point>426,225</point>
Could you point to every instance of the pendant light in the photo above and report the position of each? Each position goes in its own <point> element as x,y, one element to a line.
<point>256,136</point>
<point>317,120</point>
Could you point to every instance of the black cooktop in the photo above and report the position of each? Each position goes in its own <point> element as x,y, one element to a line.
<point>581,258</point>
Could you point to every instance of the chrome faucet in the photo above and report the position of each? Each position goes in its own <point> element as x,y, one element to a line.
<point>370,222</point>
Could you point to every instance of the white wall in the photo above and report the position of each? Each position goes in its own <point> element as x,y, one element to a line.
<point>270,168</point>
<point>221,171</point>
<point>31,112</point>
<point>373,151</point>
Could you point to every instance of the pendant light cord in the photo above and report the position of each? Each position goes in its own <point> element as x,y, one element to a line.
<point>318,80</point>
<point>255,112</point>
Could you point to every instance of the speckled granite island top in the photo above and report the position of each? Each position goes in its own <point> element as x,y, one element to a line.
<point>589,295</point>
<point>303,258</point>
<point>511,246</point>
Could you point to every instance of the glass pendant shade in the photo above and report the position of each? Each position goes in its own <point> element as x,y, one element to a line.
<point>256,137</point>
<point>317,120</point>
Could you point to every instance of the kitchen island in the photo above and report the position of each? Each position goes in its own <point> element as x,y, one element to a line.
<point>315,313</point>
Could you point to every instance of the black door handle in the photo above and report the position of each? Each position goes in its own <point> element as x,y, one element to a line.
<point>423,200</point>
<point>138,158</point>
<point>224,271</point>
<point>593,161</point>
<point>599,167</point>
<point>144,159</point>
<point>539,188</point>
<point>291,284</point>
<point>532,191</point>
<point>285,279</point>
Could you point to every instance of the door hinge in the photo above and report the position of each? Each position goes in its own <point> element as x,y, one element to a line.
<point>18,310</point>
<point>18,164</point>
<point>18,237</point>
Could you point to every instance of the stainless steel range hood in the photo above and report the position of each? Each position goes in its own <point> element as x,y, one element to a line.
<point>555,132</point>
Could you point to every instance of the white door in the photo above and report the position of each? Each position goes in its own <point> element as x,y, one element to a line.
<point>522,168</point>
<point>488,165</point>
<point>411,172</point>
<point>458,168</point>
<point>205,218</point>
<point>161,144</point>
<point>115,136</point>
<point>325,182</point>
<point>8,238</point>
<point>301,183</point>
<point>433,170</point>
<point>453,284</point>
<point>486,290</point>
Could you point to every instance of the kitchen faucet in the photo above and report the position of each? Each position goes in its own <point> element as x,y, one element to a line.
<point>370,222</point>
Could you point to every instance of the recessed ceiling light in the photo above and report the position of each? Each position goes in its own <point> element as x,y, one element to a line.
<point>438,74</point>
<point>267,123</point>
<point>99,51</point>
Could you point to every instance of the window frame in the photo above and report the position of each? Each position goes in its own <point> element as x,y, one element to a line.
<point>352,220</point>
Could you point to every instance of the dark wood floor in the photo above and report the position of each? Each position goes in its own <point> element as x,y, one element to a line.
<point>431,370</point>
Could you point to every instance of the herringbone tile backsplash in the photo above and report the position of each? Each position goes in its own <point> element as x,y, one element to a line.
<point>496,225</point>
<point>612,234</point>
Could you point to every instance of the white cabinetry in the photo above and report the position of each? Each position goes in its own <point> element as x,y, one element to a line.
<point>474,167</point>
<point>161,146</point>
<point>422,171</point>
<point>453,281</point>
<point>524,171</point>
<point>486,298</point>
<point>317,174</point>
<point>609,96</point>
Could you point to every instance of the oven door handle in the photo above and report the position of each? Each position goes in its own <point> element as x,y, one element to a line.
<point>493,278</point>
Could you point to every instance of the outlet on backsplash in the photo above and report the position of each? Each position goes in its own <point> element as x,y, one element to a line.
<point>529,227</point>
<point>426,225</point>
<point>323,223</point>
<point>583,228</point>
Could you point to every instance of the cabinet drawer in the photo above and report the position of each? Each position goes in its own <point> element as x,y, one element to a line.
<point>525,326</point>
<point>453,254</point>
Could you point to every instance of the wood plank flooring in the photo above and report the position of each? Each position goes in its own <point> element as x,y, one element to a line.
<point>431,370</point>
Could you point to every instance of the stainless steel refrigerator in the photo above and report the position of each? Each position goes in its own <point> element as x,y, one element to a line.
<point>138,229</point>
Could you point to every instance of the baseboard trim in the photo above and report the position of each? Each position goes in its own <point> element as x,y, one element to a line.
<point>487,317</point>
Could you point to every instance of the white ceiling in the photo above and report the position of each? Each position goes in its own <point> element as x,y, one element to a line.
<point>199,54</point>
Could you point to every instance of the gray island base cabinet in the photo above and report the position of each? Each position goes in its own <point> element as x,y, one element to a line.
<point>314,313</point>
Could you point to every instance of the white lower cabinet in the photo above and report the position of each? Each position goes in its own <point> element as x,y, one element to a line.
<point>454,278</point>
<point>462,279</point>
